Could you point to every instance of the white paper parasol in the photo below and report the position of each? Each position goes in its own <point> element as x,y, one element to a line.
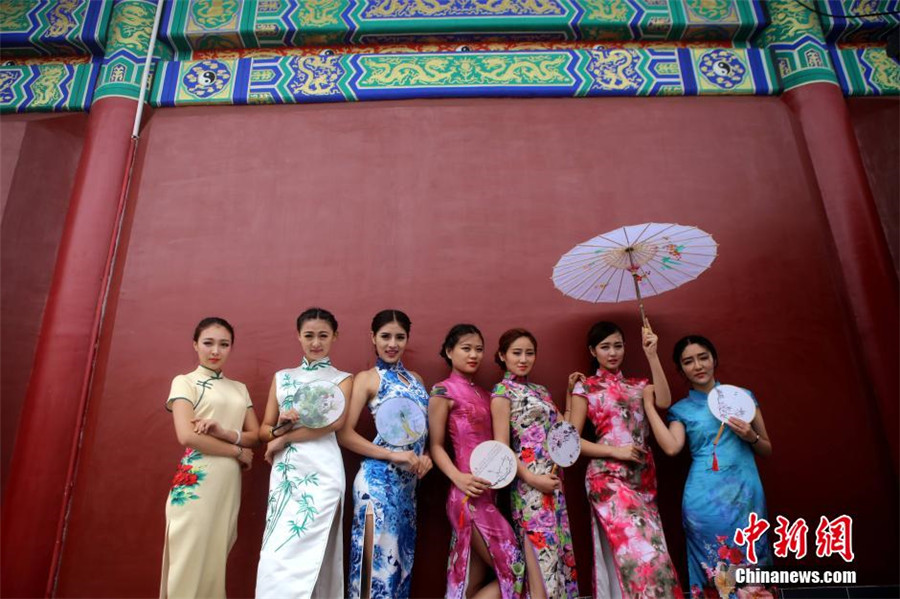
<point>634,262</point>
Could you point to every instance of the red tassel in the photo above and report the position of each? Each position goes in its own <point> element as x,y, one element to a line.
<point>462,511</point>
<point>715,463</point>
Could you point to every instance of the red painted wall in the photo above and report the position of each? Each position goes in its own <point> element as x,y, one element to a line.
<point>876,122</point>
<point>457,210</point>
<point>38,157</point>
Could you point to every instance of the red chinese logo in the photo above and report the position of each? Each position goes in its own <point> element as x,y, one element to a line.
<point>835,536</point>
<point>748,536</point>
<point>832,537</point>
<point>791,537</point>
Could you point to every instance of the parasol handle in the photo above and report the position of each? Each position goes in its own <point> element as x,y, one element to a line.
<point>637,289</point>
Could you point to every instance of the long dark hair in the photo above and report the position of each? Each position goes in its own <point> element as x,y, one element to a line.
<point>600,331</point>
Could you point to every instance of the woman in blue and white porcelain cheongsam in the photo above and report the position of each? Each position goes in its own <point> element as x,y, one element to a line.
<point>302,547</point>
<point>382,547</point>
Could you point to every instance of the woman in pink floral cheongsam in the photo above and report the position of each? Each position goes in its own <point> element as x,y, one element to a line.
<point>630,554</point>
<point>523,413</point>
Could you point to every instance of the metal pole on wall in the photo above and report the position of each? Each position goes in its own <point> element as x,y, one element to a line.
<point>101,308</point>
<point>45,457</point>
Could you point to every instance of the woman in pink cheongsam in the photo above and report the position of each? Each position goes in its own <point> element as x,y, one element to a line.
<point>630,554</point>
<point>482,538</point>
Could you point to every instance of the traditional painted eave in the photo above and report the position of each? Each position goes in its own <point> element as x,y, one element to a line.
<point>293,51</point>
<point>850,25</point>
<point>554,71</point>
<point>53,27</point>
<point>191,25</point>
<point>866,70</point>
<point>47,84</point>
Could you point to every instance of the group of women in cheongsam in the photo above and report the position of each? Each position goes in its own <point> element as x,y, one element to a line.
<point>301,553</point>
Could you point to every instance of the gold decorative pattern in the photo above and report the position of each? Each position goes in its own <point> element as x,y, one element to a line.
<point>14,15</point>
<point>129,27</point>
<point>214,14</point>
<point>319,13</point>
<point>450,70</point>
<point>885,70</point>
<point>615,69</point>
<point>606,10</point>
<point>431,8</point>
<point>791,21</point>
<point>46,88</point>
<point>62,19</point>
<point>713,10</point>
<point>315,75</point>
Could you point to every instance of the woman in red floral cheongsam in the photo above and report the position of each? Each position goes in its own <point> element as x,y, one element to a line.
<point>630,554</point>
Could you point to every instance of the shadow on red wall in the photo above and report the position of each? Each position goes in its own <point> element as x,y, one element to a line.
<point>38,157</point>
<point>453,211</point>
<point>876,122</point>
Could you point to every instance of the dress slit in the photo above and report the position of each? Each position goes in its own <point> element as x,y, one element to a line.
<point>604,563</point>
<point>527,545</point>
<point>332,583</point>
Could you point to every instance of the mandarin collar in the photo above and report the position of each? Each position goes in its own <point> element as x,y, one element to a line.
<point>398,365</point>
<point>605,374</point>
<point>700,394</point>
<point>323,363</point>
<point>204,371</point>
<point>455,376</point>
<point>522,380</point>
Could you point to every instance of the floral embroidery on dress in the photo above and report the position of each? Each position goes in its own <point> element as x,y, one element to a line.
<point>541,517</point>
<point>390,492</point>
<point>623,494</point>
<point>468,424</point>
<point>187,478</point>
<point>716,503</point>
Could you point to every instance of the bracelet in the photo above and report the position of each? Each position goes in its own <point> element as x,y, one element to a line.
<point>240,452</point>
<point>272,433</point>
<point>755,441</point>
<point>237,441</point>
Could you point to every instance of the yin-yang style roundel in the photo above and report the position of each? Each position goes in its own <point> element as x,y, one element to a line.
<point>206,78</point>
<point>723,68</point>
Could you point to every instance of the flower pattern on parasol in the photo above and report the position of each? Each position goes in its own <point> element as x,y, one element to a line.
<point>634,262</point>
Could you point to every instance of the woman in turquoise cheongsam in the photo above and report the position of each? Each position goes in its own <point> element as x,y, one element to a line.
<point>717,499</point>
